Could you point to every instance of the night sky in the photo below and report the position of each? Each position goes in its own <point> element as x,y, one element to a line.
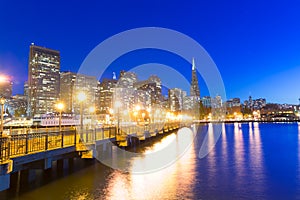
<point>255,44</point>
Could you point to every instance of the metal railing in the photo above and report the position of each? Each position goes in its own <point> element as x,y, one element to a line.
<point>4,149</point>
<point>151,128</point>
<point>23,144</point>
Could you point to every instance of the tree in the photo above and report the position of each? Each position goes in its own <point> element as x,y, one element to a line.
<point>20,111</point>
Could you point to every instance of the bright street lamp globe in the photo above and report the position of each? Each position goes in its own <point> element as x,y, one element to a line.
<point>81,96</point>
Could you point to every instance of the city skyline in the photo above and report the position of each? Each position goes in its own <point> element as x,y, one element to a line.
<point>111,74</point>
<point>255,45</point>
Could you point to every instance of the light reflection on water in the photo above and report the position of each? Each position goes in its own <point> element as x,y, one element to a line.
<point>250,161</point>
<point>239,153</point>
<point>162,184</point>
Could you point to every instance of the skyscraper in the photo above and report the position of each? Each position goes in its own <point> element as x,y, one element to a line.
<point>176,99</point>
<point>195,91</point>
<point>43,80</point>
<point>71,84</point>
<point>152,87</point>
<point>124,90</point>
<point>107,87</point>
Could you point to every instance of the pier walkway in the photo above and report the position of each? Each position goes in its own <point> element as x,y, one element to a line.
<point>39,149</point>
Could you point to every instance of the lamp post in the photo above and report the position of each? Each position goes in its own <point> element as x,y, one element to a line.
<point>118,105</point>
<point>60,107</point>
<point>149,110</point>
<point>135,113</point>
<point>2,102</point>
<point>81,98</point>
<point>92,112</point>
<point>111,112</point>
<point>137,109</point>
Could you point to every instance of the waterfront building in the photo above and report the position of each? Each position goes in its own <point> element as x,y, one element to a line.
<point>164,104</point>
<point>124,90</point>
<point>233,107</point>
<point>127,79</point>
<point>71,84</point>
<point>206,101</point>
<point>259,103</point>
<point>26,89</point>
<point>192,103</point>
<point>176,98</point>
<point>218,108</point>
<point>217,102</point>
<point>67,81</point>
<point>250,102</point>
<point>278,115</point>
<point>97,97</point>
<point>195,91</point>
<point>150,87</point>
<point>142,97</point>
<point>255,104</point>
<point>191,106</point>
<point>122,72</point>
<point>43,80</point>
<point>106,94</point>
<point>246,103</point>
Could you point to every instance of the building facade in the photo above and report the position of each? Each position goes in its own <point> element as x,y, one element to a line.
<point>195,91</point>
<point>43,80</point>
<point>107,87</point>
<point>151,89</point>
<point>70,86</point>
<point>176,99</point>
<point>206,101</point>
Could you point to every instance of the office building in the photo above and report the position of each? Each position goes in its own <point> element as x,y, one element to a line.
<point>176,98</point>
<point>206,101</point>
<point>71,84</point>
<point>107,87</point>
<point>43,80</point>
<point>195,91</point>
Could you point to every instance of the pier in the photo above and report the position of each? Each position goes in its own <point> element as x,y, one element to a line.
<point>38,150</point>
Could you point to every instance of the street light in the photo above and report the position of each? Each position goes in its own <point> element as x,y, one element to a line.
<point>137,107</point>
<point>3,78</point>
<point>118,105</point>
<point>149,110</point>
<point>135,113</point>
<point>81,98</point>
<point>2,102</point>
<point>92,109</point>
<point>60,106</point>
<point>92,112</point>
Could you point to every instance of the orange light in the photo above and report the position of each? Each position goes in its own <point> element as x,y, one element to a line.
<point>60,106</point>
<point>3,79</point>
<point>137,107</point>
<point>92,109</point>
<point>81,96</point>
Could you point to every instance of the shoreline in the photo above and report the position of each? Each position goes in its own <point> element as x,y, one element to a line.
<point>247,121</point>
<point>196,122</point>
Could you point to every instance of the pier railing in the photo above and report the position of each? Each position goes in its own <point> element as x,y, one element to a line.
<point>28,143</point>
<point>23,144</point>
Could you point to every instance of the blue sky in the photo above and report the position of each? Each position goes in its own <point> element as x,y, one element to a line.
<point>255,44</point>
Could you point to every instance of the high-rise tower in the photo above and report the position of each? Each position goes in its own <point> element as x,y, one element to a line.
<point>71,84</point>
<point>43,80</point>
<point>195,91</point>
